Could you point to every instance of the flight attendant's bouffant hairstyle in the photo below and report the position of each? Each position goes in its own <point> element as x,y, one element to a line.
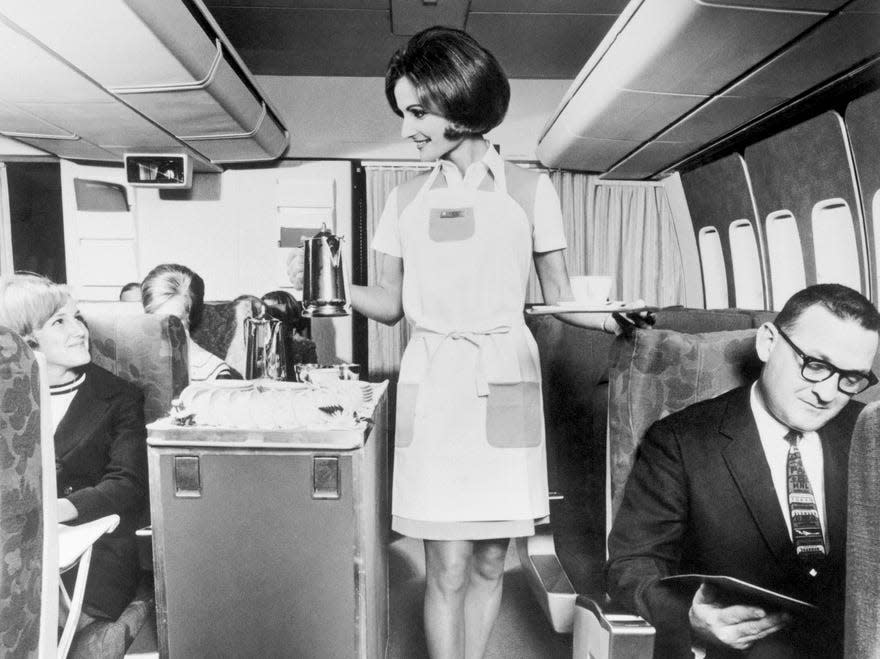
<point>455,77</point>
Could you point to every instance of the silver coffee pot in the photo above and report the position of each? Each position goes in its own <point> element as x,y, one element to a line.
<point>265,353</point>
<point>323,280</point>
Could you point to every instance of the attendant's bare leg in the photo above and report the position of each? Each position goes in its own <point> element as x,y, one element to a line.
<point>447,568</point>
<point>483,599</point>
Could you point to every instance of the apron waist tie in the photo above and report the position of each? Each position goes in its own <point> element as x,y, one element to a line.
<point>474,337</point>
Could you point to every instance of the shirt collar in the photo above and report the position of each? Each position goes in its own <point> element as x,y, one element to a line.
<point>768,425</point>
<point>491,162</point>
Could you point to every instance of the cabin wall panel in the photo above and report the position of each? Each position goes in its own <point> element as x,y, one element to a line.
<point>232,239</point>
<point>863,127</point>
<point>717,194</point>
<point>226,228</point>
<point>795,169</point>
<point>349,117</point>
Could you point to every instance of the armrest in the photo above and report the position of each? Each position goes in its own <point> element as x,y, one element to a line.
<point>601,633</point>
<point>73,541</point>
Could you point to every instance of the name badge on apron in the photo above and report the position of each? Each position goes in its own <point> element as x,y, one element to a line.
<point>451,224</point>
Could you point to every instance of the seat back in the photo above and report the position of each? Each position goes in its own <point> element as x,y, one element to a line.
<point>221,331</point>
<point>146,349</point>
<point>28,588</point>
<point>657,372</point>
<point>862,635</point>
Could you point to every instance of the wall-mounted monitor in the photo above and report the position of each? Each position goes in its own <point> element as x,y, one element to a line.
<point>159,170</point>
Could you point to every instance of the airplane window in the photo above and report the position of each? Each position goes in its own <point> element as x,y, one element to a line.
<point>834,244</point>
<point>746,265</point>
<point>712,260</point>
<point>786,258</point>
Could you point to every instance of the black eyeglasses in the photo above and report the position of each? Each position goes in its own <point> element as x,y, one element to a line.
<point>818,370</point>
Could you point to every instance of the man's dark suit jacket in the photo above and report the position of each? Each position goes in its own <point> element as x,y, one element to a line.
<point>700,499</point>
<point>101,459</point>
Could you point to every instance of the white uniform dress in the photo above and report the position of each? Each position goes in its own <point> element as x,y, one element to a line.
<point>470,459</point>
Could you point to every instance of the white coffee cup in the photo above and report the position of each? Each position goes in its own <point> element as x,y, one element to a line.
<point>591,289</point>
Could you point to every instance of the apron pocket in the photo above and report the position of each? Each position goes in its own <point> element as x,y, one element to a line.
<point>451,224</point>
<point>407,392</point>
<point>513,415</point>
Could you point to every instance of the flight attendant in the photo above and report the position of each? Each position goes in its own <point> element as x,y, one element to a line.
<point>455,247</point>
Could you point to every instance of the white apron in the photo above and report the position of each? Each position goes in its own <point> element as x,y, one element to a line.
<point>470,427</point>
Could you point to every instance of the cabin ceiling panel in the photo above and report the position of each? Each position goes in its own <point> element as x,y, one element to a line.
<point>584,153</point>
<point>837,45</point>
<point>73,149</point>
<point>743,61</point>
<point>373,5</point>
<point>700,49</point>
<point>718,116</point>
<point>649,159</point>
<point>864,6</point>
<point>635,116</point>
<point>135,74</point>
<point>789,5</point>
<point>17,120</point>
<point>107,123</point>
<point>531,38</point>
<point>561,43</point>
<point>307,42</point>
<point>550,6</point>
<point>105,43</point>
<point>408,17</point>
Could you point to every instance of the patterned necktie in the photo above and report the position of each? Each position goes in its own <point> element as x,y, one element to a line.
<point>806,530</point>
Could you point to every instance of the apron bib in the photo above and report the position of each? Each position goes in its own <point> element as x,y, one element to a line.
<point>469,442</point>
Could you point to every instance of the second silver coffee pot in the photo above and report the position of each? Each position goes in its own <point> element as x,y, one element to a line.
<point>323,278</point>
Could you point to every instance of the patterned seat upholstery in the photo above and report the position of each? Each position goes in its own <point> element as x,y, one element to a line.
<point>863,537</point>
<point>658,372</point>
<point>148,350</point>
<point>21,499</point>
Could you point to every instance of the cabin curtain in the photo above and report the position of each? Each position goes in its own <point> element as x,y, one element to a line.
<point>631,236</point>
<point>573,191</point>
<point>385,344</point>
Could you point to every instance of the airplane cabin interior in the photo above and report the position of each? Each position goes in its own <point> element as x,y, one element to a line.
<point>711,157</point>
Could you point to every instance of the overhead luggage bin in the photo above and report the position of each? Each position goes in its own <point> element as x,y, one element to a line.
<point>664,60</point>
<point>165,61</point>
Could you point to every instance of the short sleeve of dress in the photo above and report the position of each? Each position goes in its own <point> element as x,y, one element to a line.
<point>548,233</point>
<point>387,236</point>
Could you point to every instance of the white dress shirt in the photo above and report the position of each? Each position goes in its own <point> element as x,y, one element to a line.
<point>776,446</point>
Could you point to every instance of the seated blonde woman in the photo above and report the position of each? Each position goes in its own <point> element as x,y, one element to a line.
<point>100,439</point>
<point>176,290</point>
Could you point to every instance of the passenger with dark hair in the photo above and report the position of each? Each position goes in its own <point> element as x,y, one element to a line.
<point>455,249</point>
<point>176,290</point>
<point>131,292</point>
<point>300,349</point>
<point>753,485</point>
<point>100,438</point>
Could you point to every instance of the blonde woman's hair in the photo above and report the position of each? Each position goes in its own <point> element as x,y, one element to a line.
<point>172,280</point>
<point>27,301</point>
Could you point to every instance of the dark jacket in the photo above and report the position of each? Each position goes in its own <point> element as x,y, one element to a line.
<point>700,499</point>
<point>101,457</point>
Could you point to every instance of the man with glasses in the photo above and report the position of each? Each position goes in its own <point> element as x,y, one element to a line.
<point>752,485</point>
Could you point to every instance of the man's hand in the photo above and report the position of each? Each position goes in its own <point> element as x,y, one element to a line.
<point>295,265</point>
<point>737,626</point>
<point>630,320</point>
